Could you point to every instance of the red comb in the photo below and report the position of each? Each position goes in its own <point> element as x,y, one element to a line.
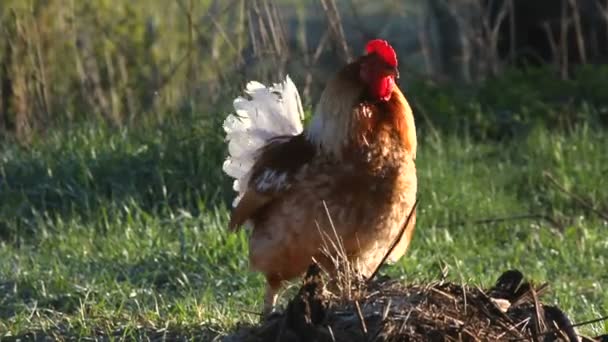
<point>383,49</point>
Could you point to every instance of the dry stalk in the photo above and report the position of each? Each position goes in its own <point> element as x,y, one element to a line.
<point>539,326</point>
<point>20,89</point>
<point>6,85</point>
<point>582,201</point>
<point>564,23</point>
<point>604,12</point>
<point>361,317</point>
<point>315,58</point>
<point>507,10</point>
<point>395,242</point>
<point>553,44</point>
<point>41,71</point>
<point>448,40</point>
<point>267,34</point>
<point>345,274</point>
<point>580,40</point>
<point>114,112</point>
<point>495,220</point>
<point>335,24</point>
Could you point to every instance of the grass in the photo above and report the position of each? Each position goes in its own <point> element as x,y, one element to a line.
<point>122,233</point>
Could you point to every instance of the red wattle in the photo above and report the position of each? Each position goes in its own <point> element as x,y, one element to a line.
<point>383,88</point>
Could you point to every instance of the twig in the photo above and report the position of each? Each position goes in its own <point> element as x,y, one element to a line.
<point>525,296</point>
<point>210,19</point>
<point>585,203</point>
<point>315,57</point>
<point>503,219</point>
<point>551,331</point>
<point>508,324</point>
<point>539,327</point>
<point>247,311</point>
<point>42,71</point>
<point>564,41</point>
<point>335,25</point>
<point>331,333</point>
<point>387,309</point>
<point>397,239</point>
<point>580,40</point>
<point>591,321</point>
<point>603,10</point>
<point>361,318</point>
<point>490,31</point>
<point>464,297</point>
<point>270,40</point>
<point>445,270</point>
<point>512,328</point>
<point>552,42</point>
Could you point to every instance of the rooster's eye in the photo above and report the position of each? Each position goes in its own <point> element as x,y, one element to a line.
<point>391,71</point>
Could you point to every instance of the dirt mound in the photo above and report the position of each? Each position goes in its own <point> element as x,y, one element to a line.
<point>388,310</point>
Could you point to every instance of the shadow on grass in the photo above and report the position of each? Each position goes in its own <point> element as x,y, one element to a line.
<point>63,332</point>
<point>92,173</point>
<point>157,297</point>
<point>128,286</point>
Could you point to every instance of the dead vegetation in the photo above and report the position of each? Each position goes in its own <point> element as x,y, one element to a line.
<point>63,61</point>
<point>389,310</point>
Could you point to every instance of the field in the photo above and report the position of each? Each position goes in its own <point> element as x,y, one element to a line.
<point>113,204</point>
<point>121,232</point>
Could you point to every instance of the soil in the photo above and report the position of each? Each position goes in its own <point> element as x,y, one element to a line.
<point>389,310</point>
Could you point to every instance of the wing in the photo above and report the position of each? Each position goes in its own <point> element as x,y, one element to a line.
<point>262,114</point>
<point>272,174</point>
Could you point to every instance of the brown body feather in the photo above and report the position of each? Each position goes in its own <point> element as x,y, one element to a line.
<point>365,179</point>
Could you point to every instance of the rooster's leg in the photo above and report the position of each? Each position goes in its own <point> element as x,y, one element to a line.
<point>270,297</point>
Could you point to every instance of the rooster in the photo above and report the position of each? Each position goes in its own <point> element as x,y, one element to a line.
<point>350,173</point>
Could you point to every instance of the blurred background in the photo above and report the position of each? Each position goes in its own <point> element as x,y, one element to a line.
<point>124,61</point>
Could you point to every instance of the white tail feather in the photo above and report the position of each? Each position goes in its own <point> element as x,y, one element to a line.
<point>264,114</point>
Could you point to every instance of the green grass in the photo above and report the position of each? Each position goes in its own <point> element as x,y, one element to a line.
<point>122,233</point>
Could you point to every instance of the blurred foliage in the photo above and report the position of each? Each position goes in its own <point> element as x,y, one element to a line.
<point>65,60</point>
<point>118,63</point>
<point>513,103</point>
